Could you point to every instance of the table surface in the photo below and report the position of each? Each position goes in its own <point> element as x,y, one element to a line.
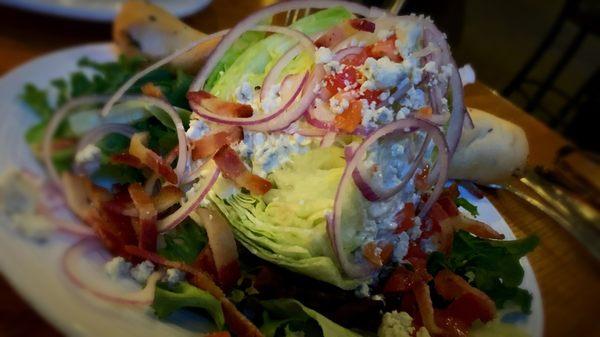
<point>569,277</point>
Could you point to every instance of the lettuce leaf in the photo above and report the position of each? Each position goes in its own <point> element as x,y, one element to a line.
<point>287,226</point>
<point>183,243</point>
<point>490,265</point>
<point>184,295</point>
<point>291,311</point>
<point>256,61</point>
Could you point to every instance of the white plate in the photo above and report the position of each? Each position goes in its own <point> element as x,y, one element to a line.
<point>33,269</point>
<point>100,10</point>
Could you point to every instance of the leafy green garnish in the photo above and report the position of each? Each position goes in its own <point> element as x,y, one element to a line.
<point>184,243</point>
<point>490,265</point>
<point>469,207</point>
<point>295,318</point>
<point>184,295</point>
<point>37,100</point>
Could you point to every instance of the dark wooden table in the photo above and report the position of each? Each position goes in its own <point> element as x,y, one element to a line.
<point>568,276</point>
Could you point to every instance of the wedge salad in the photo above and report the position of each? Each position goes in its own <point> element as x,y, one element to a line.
<point>293,183</point>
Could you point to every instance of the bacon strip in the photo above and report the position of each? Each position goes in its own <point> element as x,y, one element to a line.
<point>147,213</point>
<point>423,297</point>
<point>222,245</point>
<point>217,105</point>
<point>167,196</point>
<point>362,25</point>
<point>236,321</point>
<point>138,149</point>
<point>211,143</point>
<point>234,169</point>
<point>126,159</point>
<point>475,227</point>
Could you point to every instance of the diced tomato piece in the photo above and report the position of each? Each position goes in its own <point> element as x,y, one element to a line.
<point>355,59</point>
<point>452,326</point>
<point>423,297</point>
<point>384,48</point>
<point>362,25</point>
<point>378,256</point>
<point>414,250</point>
<point>448,205</point>
<point>437,213</point>
<point>421,179</point>
<point>372,96</point>
<point>206,262</point>
<point>405,218</point>
<point>152,90</point>
<point>351,118</point>
<point>403,279</point>
<point>451,191</point>
<point>219,334</point>
<point>348,76</point>
<point>234,169</point>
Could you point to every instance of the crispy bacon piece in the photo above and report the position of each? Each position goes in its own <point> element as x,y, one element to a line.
<point>475,227</point>
<point>218,334</point>
<point>138,149</point>
<point>236,321</point>
<point>222,245</point>
<point>336,34</point>
<point>152,90</point>
<point>211,143</point>
<point>217,105</point>
<point>405,218</point>
<point>362,25</point>
<point>168,196</point>
<point>423,298</point>
<point>126,159</point>
<point>377,256</point>
<point>234,169</point>
<point>206,262</point>
<point>147,213</point>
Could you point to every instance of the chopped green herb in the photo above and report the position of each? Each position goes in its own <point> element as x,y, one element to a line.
<point>184,243</point>
<point>469,207</point>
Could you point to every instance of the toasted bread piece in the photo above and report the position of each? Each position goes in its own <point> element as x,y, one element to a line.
<point>491,152</point>
<point>142,28</point>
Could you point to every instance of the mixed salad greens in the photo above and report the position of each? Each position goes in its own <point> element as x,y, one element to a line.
<point>295,187</point>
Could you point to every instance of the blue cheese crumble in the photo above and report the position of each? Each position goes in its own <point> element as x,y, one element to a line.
<point>142,271</point>
<point>267,152</point>
<point>117,268</point>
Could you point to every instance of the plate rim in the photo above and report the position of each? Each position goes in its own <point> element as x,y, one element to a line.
<point>94,14</point>
<point>56,320</point>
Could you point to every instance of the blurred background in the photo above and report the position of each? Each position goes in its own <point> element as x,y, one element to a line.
<point>543,55</point>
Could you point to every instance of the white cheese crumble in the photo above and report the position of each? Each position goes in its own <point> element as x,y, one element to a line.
<point>338,106</point>
<point>18,201</point>
<point>117,267</point>
<point>267,152</point>
<point>399,324</point>
<point>142,271</point>
<point>88,153</point>
<point>401,247</point>
<point>414,99</point>
<point>384,34</point>
<point>244,93</point>
<point>323,55</point>
<point>198,129</point>
<point>174,276</point>
<point>383,72</point>
<point>272,99</point>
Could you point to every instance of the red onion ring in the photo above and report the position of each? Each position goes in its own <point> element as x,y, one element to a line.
<point>252,20</point>
<point>275,71</point>
<point>201,189</point>
<point>182,154</point>
<point>340,55</point>
<point>75,252</point>
<point>123,89</point>
<point>53,125</point>
<point>334,227</point>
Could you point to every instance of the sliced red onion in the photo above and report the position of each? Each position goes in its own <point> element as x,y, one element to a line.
<point>127,85</point>
<point>273,76</point>
<point>455,125</point>
<point>302,128</point>
<point>53,125</point>
<point>182,154</point>
<point>340,55</point>
<point>328,139</point>
<point>334,227</point>
<point>199,192</point>
<point>319,116</point>
<point>68,226</point>
<point>252,20</point>
<point>468,123</point>
<point>73,256</point>
<point>256,123</point>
